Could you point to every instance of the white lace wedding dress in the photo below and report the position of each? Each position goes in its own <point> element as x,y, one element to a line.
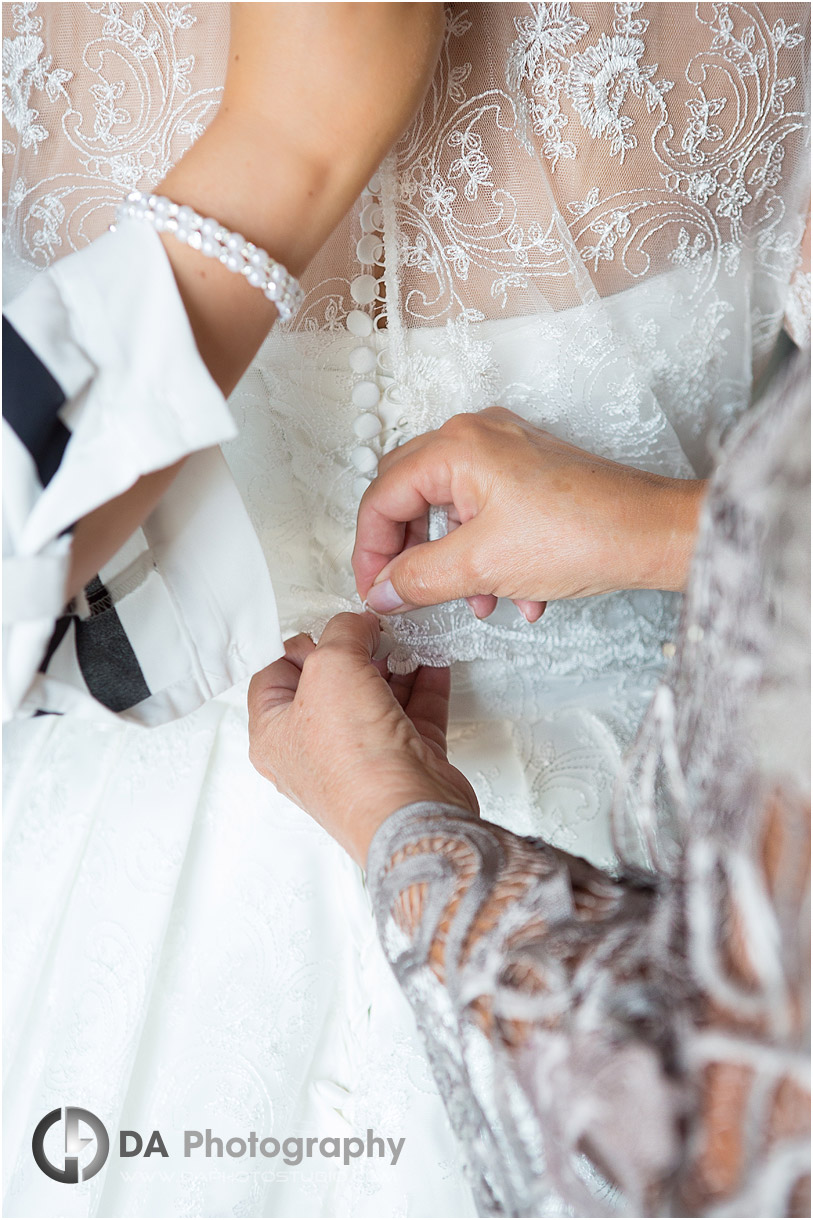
<point>597,221</point>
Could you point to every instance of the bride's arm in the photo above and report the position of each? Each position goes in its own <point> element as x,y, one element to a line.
<point>315,95</point>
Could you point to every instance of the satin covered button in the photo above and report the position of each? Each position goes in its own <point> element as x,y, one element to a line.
<point>362,359</point>
<point>367,426</point>
<point>364,459</point>
<point>365,395</point>
<point>370,249</point>
<point>359,324</point>
<point>371,217</point>
<point>360,485</point>
<point>363,289</point>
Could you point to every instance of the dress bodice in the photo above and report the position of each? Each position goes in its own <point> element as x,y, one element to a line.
<point>643,377</point>
<point>595,219</point>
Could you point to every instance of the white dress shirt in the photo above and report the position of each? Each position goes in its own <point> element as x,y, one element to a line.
<point>186,609</point>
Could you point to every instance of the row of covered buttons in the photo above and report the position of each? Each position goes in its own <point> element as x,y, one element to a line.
<point>377,414</point>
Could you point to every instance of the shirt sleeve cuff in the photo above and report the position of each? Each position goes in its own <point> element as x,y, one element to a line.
<point>109,324</point>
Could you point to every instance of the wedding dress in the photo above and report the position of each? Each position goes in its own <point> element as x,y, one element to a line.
<point>597,221</point>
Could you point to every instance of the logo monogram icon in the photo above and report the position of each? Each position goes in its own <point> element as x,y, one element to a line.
<point>69,1172</point>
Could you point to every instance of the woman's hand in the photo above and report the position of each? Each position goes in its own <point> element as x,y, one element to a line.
<point>346,744</point>
<point>531,518</point>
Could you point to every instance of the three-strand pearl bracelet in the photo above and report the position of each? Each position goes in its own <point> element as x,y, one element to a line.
<point>214,240</point>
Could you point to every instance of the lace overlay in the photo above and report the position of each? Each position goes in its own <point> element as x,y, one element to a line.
<point>596,220</point>
<point>626,298</point>
<point>639,1045</point>
<point>97,99</point>
<point>594,205</point>
<point>579,227</point>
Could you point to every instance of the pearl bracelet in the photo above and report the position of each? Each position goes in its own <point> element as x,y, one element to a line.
<point>215,241</point>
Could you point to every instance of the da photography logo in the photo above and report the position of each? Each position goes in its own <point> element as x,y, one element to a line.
<point>82,1128</point>
<point>69,1170</point>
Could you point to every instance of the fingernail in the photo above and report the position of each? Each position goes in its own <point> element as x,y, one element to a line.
<point>384,649</point>
<point>384,600</point>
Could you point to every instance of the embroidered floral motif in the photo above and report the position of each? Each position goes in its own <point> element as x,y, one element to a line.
<point>144,111</point>
<point>700,187</point>
<point>473,164</point>
<point>570,76</point>
<point>700,130</point>
<point>687,252</point>
<point>783,35</point>
<point>608,231</point>
<point>108,115</point>
<point>180,16</point>
<point>438,197</point>
<point>739,49</point>
<point>26,67</point>
<point>732,199</point>
<point>459,258</point>
<point>539,56</point>
<point>551,29</point>
<point>599,81</point>
<point>579,207</point>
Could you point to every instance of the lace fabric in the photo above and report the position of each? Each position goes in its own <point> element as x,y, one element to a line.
<point>638,1045</point>
<point>627,183</point>
<point>98,98</point>
<point>629,178</point>
<point>625,296</point>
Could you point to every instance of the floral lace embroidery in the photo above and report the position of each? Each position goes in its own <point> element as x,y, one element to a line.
<point>126,117</point>
<point>26,67</point>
